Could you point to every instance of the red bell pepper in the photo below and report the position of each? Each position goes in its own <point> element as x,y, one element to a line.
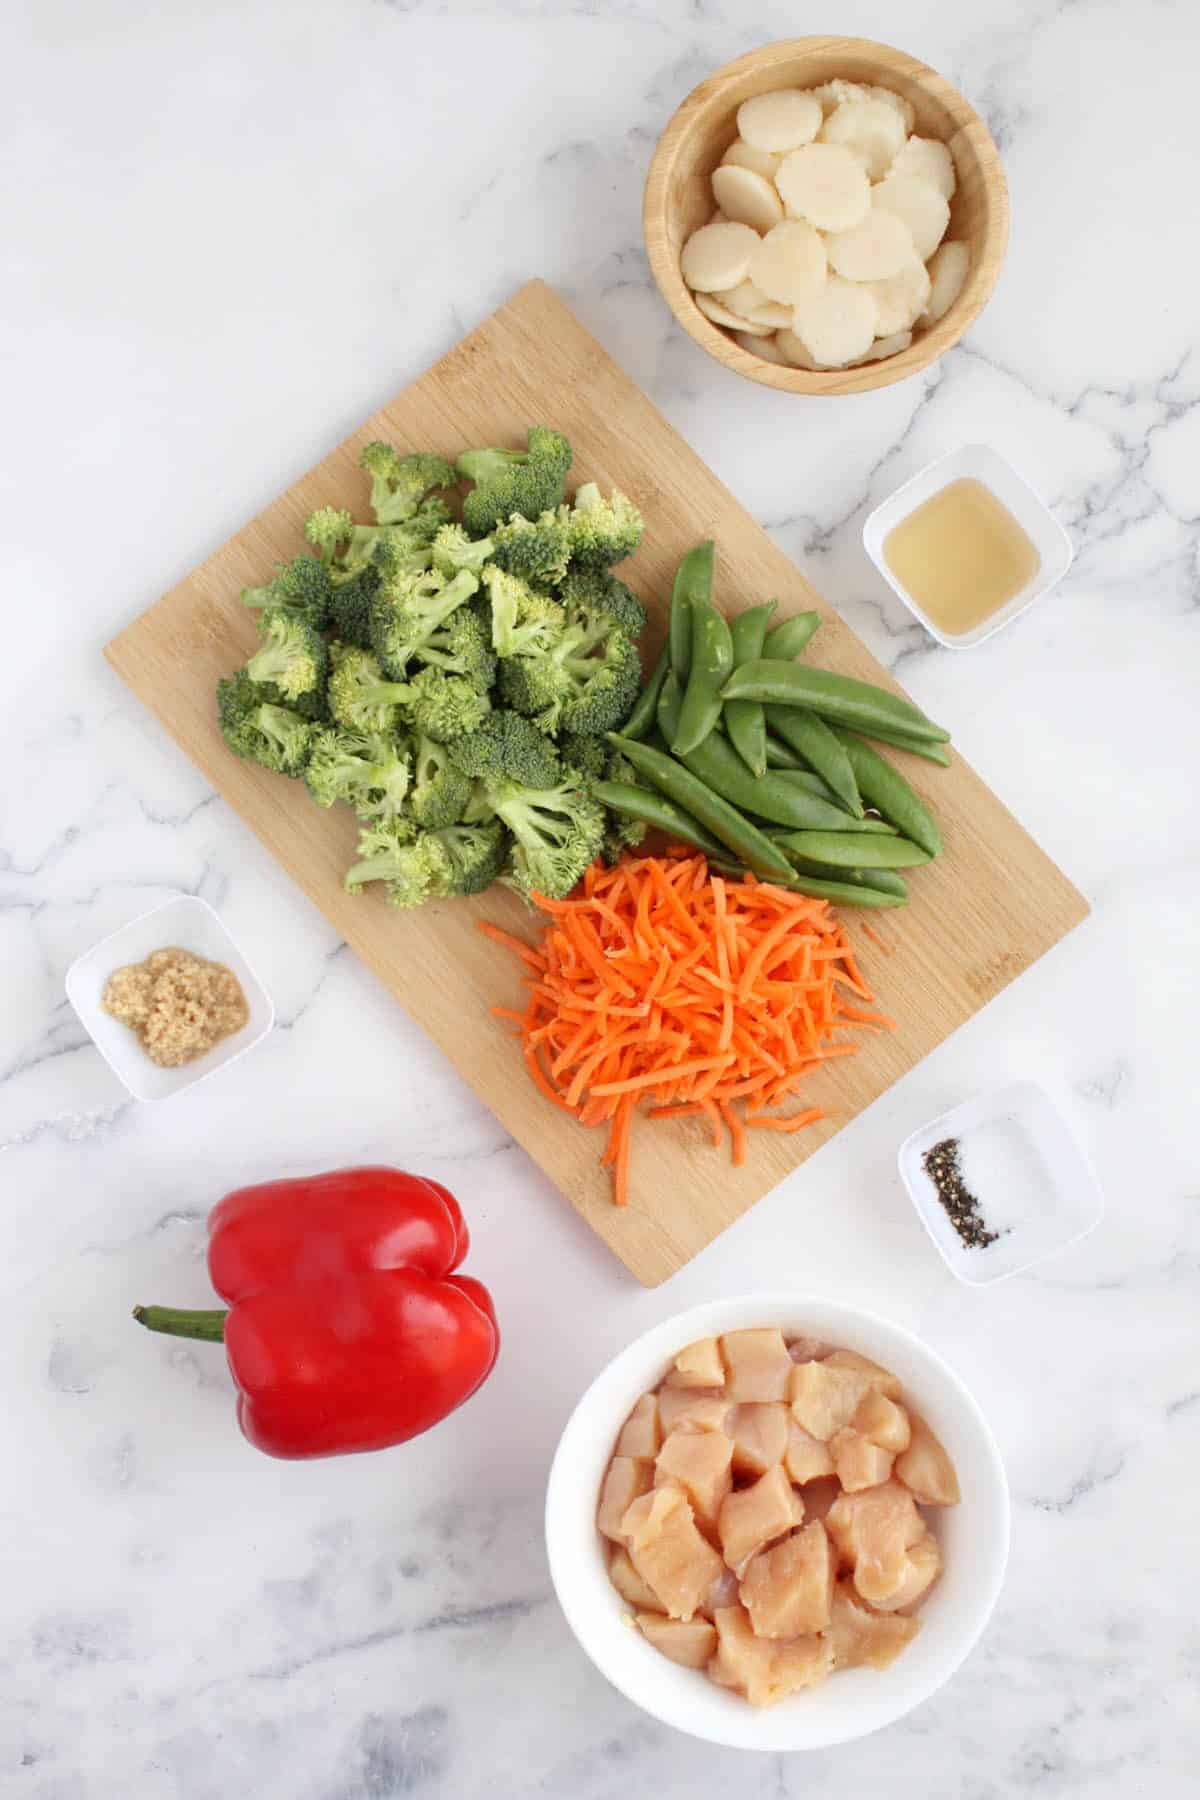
<point>346,1328</point>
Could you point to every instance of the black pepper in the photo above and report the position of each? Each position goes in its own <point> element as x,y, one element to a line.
<point>942,1165</point>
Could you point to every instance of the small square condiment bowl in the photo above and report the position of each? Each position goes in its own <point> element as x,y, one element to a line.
<point>980,463</point>
<point>1019,1158</point>
<point>185,923</point>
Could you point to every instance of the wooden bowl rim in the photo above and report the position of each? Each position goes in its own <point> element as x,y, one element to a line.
<point>929,345</point>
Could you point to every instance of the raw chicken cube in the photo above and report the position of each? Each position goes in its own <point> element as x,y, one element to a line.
<point>723,1592</point>
<point>628,1582</point>
<point>692,1409</point>
<point>872,1532</point>
<point>668,1551</point>
<point>859,1462</point>
<point>881,1420</point>
<point>687,1641</point>
<point>925,1467</point>
<point>806,1457</point>
<point>761,1670</point>
<point>757,1515</point>
<point>880,1378</point>
<point>825,1397</point>
<point>923,1568</point>
<point>699,1366</point>
<point>641,1434</point>
<point>698,1462</point>
<point>787,1590</point>
<point>758,1363</point>
<point>819,1495</point>
<point>856,1635</point>
<point>807,1349</point>
<point>760,1436</point>
<point>626,1479</point>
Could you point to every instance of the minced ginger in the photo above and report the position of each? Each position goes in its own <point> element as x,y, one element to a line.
<point>178,1005</point>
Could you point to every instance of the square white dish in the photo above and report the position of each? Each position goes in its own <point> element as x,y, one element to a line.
<point>187,923</point>
<point>980,463</point>
<point>1033,1182</point>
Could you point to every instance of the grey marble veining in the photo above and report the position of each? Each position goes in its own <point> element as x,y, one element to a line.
<point>230,231</point>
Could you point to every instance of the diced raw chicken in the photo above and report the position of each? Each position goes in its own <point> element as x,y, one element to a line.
<point>924,1567</point>
<point>627,1478</point>
<point>628,1582</point>
<point>806,1457</point>
<point>883,1421</point>
<point>925,1467</point>
<point>859,1462</point>
<point>825,1397</point>
<point>723,1592</point>
<point>699,1366</point>
<point>760,1436</point>
<point>758,1668</point>
<point>641,1434</point>
<point>872,1532</point>
<point>668,1551</point>
<point>807,1349</point>
<point>692,1409</point>
<point>757,1515</point>
<point>758,1364</point>
<point>690,1642</point>
<point>698,1462</point>
<point>856,1635</point>
<point>787,1590</point>
<point>819,1495</point>
<point>880,1378</point>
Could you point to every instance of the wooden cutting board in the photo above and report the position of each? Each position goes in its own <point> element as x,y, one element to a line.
<point>987,909</point>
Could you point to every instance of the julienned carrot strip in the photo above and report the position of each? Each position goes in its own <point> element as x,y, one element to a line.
<point>662,987</point>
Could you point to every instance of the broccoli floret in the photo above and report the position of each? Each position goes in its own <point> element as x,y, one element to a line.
<point>414,865</point>
<point>302,587</point>
<point>369,771</point>
<point>255,727</point>
<point>587,682</point>
<point>444,707</point>
<point>362,699</point>
<point>440,791</point>
<point>350,608</point>
<point>508,746</point>
<point>477,854</point>
<point>463,646</point>
<point>326,528</point>
<point>293,657</point>
<point>529,481</point>
<point>409,609</point>
<point>585,753</point>
<point>454,550</point>
<point>534,549</point>
<point>523,621</point>
<point>601,532</point>
<point>557,832</point>
<point>599,591</point>
<point>400,483</point>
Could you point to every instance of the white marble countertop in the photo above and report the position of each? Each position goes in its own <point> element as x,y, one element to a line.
<point>230,231</point>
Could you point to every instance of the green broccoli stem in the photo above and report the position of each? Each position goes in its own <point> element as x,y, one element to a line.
<point>176,1321</point>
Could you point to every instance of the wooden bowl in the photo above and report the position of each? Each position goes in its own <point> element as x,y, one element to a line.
<point>679,198</point>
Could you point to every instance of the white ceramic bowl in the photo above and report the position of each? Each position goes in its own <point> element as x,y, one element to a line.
<point>974,1537</point>
<point>191,924</point>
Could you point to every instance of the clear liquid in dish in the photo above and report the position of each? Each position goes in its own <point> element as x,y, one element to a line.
<point>961,555</point>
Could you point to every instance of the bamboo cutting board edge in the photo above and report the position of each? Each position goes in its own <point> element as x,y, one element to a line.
<point>533,360</point>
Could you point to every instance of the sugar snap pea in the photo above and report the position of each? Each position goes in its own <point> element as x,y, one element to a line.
<point>790,636</point>
<point>885,881</point>
<point>693,581</point>
<point>772,796</point>
<point>712,661</point>
<point>854,849</point>
<point>743,719</point>
<point>844,893</point>
<point>886,789</point>
<point>816,742</point>
<point>749,845</point>
<point>838,698</point>
<point>934,753</point>
<point>656,810</point>
<point>641,719</point>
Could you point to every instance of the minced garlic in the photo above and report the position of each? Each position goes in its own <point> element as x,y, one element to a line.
<point>179,1005</point>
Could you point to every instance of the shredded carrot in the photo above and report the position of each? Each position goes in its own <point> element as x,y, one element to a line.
<point>880,942</point>
<point>662,987</point>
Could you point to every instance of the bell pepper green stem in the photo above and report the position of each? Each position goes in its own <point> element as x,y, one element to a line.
<point>177,1321</point>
